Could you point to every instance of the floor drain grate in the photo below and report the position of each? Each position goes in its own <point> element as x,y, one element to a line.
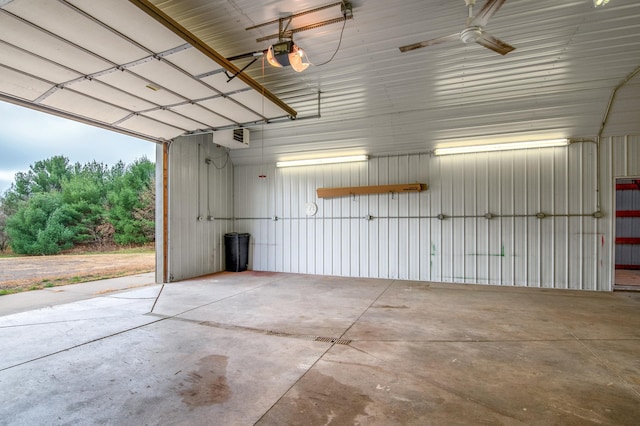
<point>333,340</point>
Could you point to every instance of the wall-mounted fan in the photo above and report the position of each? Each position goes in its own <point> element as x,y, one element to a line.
<point>474,31</point>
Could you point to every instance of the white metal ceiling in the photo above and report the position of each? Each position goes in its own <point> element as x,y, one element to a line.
<point>114,65</point>
<point>373,99</point>
<point>569,57</point>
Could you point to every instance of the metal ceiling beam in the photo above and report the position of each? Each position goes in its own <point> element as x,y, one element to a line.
<point>295,15</point>
<point>291,32</point>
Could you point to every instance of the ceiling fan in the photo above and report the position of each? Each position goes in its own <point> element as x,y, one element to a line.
<point>473,32</point>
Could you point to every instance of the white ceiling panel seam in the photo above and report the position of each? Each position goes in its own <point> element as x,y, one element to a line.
<point>200,123</point>
<point>56,88</point>
<point>172,109</point>
<point>105,26</point>
<point>135,114</point>
<point>212,87</point>
<point>115,66</point>
<point>59,38</point>
<point>40,57</point>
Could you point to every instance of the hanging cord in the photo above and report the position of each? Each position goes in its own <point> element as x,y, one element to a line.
<point>262,175</point>
<point>226,160</point>
<point>344,24</point>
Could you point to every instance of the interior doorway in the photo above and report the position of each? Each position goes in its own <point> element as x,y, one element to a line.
<point>627,254</point>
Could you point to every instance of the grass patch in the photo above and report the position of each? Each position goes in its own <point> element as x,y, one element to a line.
<point>146,249</point>
<point>71,280</point>
<point>8,255</point>
<point>46,271</point>
<point>120,250</point>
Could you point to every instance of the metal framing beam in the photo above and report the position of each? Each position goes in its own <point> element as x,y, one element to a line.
<point>165,213</point>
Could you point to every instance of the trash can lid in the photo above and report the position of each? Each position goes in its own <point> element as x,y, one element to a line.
<point>236,234</point>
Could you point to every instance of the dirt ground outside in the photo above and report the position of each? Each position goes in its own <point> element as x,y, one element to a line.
<point>35,272</point>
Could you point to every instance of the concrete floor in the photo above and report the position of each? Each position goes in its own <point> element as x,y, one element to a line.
<point>283,349</point>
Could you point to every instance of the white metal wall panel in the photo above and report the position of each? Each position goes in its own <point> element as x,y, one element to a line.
<point>568,248</point>
<point>200,206</point>
<point>625,156</point>
<point>254,212</point>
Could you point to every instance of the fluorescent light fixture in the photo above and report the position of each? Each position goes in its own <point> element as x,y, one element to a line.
<point>501,146</point>
<point>316,161</point>
<point>598,3</point>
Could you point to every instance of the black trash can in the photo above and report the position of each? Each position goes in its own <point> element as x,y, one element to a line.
<point>236,251</point>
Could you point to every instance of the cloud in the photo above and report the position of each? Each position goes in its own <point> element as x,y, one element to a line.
<point>6,179</point>
<point>18,124</point>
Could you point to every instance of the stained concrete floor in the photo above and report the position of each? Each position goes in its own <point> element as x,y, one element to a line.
<point>283,349</point>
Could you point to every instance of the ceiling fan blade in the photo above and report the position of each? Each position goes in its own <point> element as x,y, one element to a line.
<point>497,45</point>
<point>430,42</point>
<point>489,9</point>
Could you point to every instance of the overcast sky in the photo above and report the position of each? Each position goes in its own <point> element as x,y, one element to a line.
<point>27,136</point>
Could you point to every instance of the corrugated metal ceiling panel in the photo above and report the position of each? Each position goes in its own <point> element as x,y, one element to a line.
<point>569,57</point>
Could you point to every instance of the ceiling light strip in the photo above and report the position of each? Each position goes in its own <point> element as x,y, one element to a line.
<point>502,146</point>
<point>318,161</point>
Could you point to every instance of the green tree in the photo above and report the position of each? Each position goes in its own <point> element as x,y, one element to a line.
<point>85,194</point>
<point>146,213</point>
<point>54,206</point>
<point>43,176</point>
<point>43,225</point>
<point>4,237</point>
<point>127,203</point>
<point>49,175</point>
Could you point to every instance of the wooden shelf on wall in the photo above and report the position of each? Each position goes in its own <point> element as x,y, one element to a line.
<point>364,190</point>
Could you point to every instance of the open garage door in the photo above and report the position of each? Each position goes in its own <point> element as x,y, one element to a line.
<point>124,66</point>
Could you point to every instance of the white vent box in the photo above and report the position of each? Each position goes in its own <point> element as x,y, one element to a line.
<point>232,138</point>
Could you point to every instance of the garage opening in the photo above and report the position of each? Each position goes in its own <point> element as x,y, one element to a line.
<point>627,226</point>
